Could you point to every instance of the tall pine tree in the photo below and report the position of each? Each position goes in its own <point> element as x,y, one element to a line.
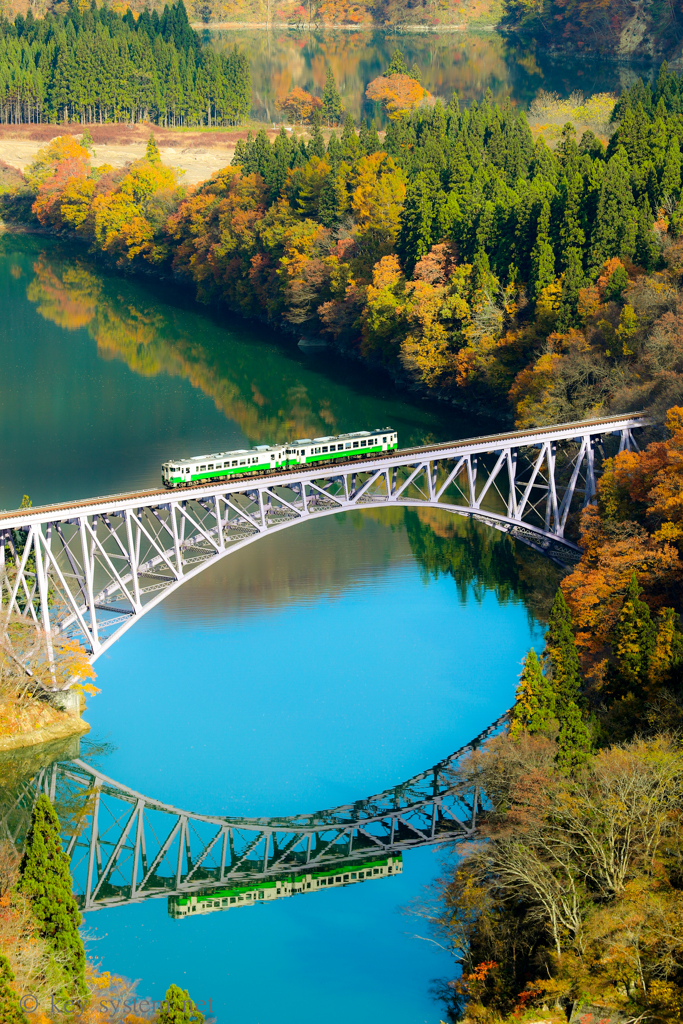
<point>44,877</point>
<point>332,104</point>
<point>561,657</point>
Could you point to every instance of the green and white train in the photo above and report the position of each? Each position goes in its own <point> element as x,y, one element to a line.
<point>344,873</point>
<point>265,458</point>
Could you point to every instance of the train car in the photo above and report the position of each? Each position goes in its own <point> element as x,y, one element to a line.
<point>265,458</point>
<point>344,873</point>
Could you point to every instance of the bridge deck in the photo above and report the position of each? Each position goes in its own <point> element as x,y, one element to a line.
<point>486,443</point>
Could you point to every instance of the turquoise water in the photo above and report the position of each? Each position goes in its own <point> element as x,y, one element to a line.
<point>318,666</point>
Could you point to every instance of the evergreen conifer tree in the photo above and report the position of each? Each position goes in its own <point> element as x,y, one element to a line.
<point>415,238</point>
<point>332,104</point>
<point>634,640</point>
<point>561,656</point>
<point>415,73</point>
<point>10,1010</point>
<point>542,255</point>
<point>574,741</point>
<point>534,709</point>
<point>671,175</point>
<point>178,1008</point>
<point>573,281</point>
<point>647,250</point>
<point>316,147</point>
<point>334,150</point>
<point>372,144</point>
<point>152,152</point>
<point>44,877</point>
<point>398,65</point>
<point>331,202</point>
<point>616,220</point>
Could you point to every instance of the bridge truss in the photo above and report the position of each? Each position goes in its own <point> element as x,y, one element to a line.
<point>127,848</point>
<point>90,569</point>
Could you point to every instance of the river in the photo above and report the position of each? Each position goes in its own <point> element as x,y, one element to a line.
<point>315,667</point>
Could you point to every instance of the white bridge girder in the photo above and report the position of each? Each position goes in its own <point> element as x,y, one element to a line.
<point>125,847</point>
<point>90,569</point>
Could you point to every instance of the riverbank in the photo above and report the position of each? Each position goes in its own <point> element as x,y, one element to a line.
<point>36,723</point>
<point>340,26</point>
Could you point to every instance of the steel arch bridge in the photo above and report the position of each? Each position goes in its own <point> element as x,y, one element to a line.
<point>127,848</point>
<point>90,569</point>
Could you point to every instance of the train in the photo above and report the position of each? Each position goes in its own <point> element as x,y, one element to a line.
<point>265,458</point>
<point>301,881</point>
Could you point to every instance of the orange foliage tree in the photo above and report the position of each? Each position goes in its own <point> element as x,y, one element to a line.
<point>299,105</point>
<point>398,94</point>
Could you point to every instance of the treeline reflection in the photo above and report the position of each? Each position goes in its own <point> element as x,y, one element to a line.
<point>467,62</point>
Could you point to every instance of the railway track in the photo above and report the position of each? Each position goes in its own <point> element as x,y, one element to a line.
<point>488,440</point>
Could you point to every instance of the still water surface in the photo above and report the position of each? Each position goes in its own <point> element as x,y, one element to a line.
<point>320,665</point>
<point>466,62</point>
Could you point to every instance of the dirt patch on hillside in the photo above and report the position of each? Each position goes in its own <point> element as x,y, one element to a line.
<point>197,153</point>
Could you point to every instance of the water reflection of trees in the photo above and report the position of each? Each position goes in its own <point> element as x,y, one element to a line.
<point>480,559</point>
<point>468,62</point>
<point>271,395</point>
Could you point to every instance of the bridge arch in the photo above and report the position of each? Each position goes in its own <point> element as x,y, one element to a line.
<point>91,569</point>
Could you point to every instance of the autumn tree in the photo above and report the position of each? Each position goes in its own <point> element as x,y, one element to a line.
<point>10,1009</point>
<point>534,708</point>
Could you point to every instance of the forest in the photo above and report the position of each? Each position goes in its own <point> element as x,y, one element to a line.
<point>458,253</point>
<point>98,65</point>
<point>576,894</point>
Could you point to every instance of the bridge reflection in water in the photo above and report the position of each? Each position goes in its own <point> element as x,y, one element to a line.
<point>125,847</point>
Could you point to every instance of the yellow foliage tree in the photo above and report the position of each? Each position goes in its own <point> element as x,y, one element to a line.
<point>378,190</point>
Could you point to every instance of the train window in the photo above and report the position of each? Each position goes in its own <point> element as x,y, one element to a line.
<point>211,466</point>
<point>338,878</point>
<point>242,462</point>
<point>232,899</point>
<point>235,462</point>
<point>324,448</point>
<point>384,440</point>
<point>347,444</point>
<point>346,878</point>
<point>272,455</point>
<point>389,869</point>
<point>353,874</point>
<point>375,871</point>
<point>260,895</point>
<point>202,469</point>
<point>224,903</point>
<point>355,444</point>
<point>361,874</point>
